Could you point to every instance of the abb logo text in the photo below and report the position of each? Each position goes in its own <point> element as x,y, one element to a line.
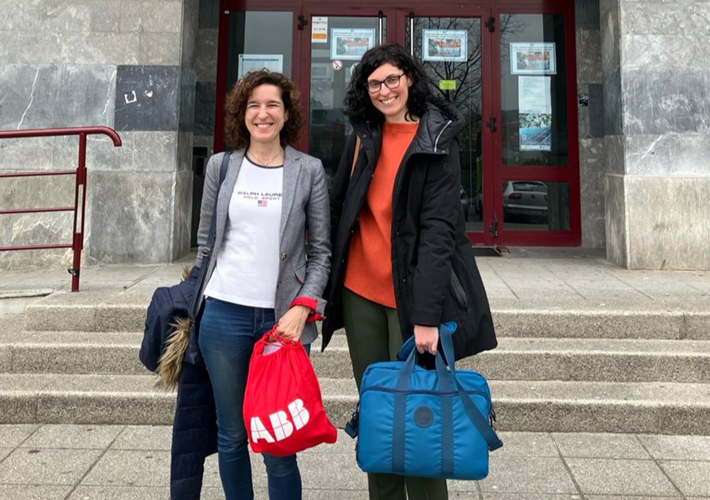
<point>280,423</point>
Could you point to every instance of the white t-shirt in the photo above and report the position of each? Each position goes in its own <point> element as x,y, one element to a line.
<point>247,267</point>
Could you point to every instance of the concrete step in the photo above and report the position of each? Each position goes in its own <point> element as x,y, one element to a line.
<point>600,360</point>
<point>112,312</point>
<point>654,408</point>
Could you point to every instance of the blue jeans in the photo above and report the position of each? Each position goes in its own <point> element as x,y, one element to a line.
<point>228,333</point>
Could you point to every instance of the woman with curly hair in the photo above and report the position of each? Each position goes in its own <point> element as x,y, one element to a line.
<point>402,263</point>
<point>261,274</point>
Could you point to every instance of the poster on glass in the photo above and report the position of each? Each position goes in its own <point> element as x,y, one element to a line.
<point>444,45</point>
<point>533,58</point>
<point>535,113</point>
<point>350,44</point>
<point>255,62</point>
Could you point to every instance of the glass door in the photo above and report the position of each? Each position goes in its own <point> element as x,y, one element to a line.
<point>536,156</point>
<point>334,42</point>
<point>451,51</point>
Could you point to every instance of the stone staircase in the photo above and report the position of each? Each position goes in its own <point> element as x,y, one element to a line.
<point>588,368</point>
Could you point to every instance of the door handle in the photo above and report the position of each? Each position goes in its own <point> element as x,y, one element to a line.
<point>492,124</point>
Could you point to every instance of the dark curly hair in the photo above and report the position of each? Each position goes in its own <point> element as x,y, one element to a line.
<point>237,132</point>
<point>358,105</point>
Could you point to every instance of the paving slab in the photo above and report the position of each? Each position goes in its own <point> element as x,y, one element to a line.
<point>690,477</point>
<point>677,447</point>
<point>122,493</point>
<point>12,436</point>
<point>4,452</point>
<point>530,496</point>
<point>142,437</point>
<point>73,436</point>
<point>527,444</point>
<point>33,492</point>
<point>45,466</point>
<point>620,477</point>
<point>527,475</point>
<point>131,468</point>
<point>600,446</point>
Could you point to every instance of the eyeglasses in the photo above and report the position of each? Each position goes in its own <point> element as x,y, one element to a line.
<point>391,82</point>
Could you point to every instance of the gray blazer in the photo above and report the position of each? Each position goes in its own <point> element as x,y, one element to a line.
<point>303,272</point>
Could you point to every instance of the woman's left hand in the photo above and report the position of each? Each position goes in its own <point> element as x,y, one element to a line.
<point>291,324</point>
<point>426,338</point>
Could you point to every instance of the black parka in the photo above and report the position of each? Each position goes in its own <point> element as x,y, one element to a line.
<point>434,270</point>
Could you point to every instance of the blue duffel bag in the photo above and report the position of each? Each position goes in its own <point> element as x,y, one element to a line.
<point>425,423</point>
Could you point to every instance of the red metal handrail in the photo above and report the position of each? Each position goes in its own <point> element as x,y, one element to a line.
<point>77,244</point>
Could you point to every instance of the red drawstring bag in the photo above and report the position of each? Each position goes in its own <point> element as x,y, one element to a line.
<point>283,407</point>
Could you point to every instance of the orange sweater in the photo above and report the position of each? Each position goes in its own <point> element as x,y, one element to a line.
<point>369,271</point>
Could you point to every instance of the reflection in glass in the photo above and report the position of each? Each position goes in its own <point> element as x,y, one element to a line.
<point>330,79</point>
<point>534,205</point>
<point>466,79</point>
<point>534,90</point>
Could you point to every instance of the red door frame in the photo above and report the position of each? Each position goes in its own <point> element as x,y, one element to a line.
<point>397,12</point>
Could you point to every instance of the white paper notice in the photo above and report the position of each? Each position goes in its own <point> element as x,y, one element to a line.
<point>319,31</point>
<point>255,62</point>
<point>534,94</point>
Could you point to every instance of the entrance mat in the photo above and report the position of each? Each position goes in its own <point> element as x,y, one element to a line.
<point>486,252</point>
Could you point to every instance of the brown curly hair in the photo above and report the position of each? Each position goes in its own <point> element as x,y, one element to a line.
<point>237,132</point>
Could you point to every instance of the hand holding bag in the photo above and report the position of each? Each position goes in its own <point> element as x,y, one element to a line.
<point>283,407</point>
<point>425,423</point>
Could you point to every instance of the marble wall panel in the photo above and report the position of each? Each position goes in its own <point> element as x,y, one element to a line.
<point>206,58</point>
<point>131,217</point>
<point>673,234</point>
<point>39,96</point>
<point>20,16</point>
<point>164,16</point>
<point>142,151</point>
<point>209,14</point>
<point>159,49</point>
<point>35,153</point>
<point>592,169</point>
<point>189,33</point>
<point>147,98</point>
<point>205,102</point>
<point>666,101</point>
<point>589,56</point>
<point>614,153</point>
<point>182,214</point>
<point>596,110</point>
<point>613,103</point>
<point>615,215</point>
<point>587,14</point>
<point>98,48</point>
<point>80,15</point>
<point>670,18</point>
<point>184,151</point>
<point>668,154</point>
<point>187,100</point>
<point>654,52</point>
<point>610,35</point>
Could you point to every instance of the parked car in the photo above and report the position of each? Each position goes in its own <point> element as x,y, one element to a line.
<point>520,198</point>
<point>525,198</point>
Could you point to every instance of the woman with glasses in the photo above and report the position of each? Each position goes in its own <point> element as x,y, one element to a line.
<point>402,263</point>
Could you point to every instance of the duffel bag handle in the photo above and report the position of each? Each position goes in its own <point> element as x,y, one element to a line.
<point>404,380</point>
<point>478,419</point>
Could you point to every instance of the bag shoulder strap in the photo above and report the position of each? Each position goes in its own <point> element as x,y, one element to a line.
<point>358,143</point>
<point>207,252</point>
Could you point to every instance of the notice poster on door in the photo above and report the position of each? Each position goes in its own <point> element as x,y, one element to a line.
<point>319,30</point>
<point>445,45</point>
<point>255,62</point>
<point>535,113</point>
<point>350,44</point>
<point>533,59</point>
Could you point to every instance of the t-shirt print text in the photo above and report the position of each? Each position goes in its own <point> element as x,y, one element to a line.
<point>262,199</point>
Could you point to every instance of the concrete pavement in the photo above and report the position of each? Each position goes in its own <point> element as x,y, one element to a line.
<point>75,462</point>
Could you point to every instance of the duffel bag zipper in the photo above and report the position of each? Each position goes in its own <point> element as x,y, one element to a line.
<point>459,293</point>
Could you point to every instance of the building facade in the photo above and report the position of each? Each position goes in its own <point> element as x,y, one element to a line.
<point>586,120</point>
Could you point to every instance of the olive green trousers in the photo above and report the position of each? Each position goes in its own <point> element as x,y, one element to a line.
<point>374,335</point>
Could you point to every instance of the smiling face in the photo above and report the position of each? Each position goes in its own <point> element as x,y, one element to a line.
<point>265,114</point>
<point>392,103</point>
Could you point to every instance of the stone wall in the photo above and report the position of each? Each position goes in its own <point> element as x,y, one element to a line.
<point>126,65</point>
<point>657,75</point>
<point>591,123</point>
<point>206,65</point>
